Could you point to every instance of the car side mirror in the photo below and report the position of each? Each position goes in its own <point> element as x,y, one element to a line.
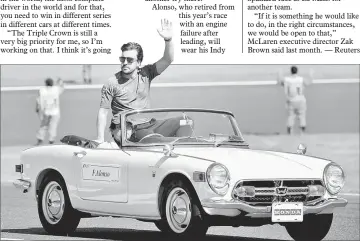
<point>168,150</point>
<point>301,149</point>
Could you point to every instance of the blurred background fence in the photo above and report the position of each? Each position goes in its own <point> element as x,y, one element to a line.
<point>259,109</point>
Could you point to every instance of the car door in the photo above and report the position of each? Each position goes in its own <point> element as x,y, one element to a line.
<point>104,175</point>
<point>146,169</point>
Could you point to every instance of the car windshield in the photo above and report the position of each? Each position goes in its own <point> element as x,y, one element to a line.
<point>179,127</point>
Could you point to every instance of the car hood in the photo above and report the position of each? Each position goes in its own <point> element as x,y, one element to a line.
<point>259,164</point>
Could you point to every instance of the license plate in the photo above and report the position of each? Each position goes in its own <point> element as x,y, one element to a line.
<point>287,212</point>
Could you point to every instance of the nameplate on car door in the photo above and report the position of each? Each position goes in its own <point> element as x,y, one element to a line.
<point>100,172</point>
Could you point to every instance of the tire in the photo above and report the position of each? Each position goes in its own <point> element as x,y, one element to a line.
<point>180,212</point>
<point>313,228</point>
<point>56,214</point>
<point>161,225</point>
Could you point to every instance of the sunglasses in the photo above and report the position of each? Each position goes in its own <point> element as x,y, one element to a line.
<point>128,59</point>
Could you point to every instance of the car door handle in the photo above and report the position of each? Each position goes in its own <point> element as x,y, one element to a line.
<point>80,154</point>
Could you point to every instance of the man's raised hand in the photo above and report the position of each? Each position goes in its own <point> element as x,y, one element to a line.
<point>166,31</point>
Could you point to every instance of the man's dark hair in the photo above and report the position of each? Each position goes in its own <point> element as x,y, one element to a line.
<point>49,82</point>
<point>294,70</point>
<point>137,47</point>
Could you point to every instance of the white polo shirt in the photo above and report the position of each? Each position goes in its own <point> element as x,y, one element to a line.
<point>49,99</point>
<point>294,87</point>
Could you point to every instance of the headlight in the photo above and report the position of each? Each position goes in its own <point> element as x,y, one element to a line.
<point>334,178</point>
<point>218,178</point>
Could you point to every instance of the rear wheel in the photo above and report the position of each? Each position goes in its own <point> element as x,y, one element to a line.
<point>56,214</point>
<point>313,228</point>
<point>180,212</point>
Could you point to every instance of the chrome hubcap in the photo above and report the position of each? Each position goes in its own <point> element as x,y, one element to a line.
<point>178,210</point>
<point>53,202</point>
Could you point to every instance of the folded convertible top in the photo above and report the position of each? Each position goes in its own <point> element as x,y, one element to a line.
<point>79,141</point>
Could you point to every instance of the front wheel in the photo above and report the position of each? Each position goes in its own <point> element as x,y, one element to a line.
<point>161,225</point>
<point>313,228</point>
<point>56,214</point>
<point>180,212</point>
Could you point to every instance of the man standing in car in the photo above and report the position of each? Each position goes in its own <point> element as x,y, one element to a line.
<point>130,88</point>
<point>295,99</point>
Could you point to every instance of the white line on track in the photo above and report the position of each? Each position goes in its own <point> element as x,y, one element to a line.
<point>349,194</point>
<point>11,239</point>
<point>193,84</point>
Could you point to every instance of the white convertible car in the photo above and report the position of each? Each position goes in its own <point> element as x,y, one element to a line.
<point>185,170</point>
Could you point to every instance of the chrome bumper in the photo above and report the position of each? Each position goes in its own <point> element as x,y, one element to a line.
<point>22,184</point>
<point>234,208</point>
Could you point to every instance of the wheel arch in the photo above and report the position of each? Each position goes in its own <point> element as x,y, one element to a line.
<point>177,176</point>
<point>44,173</point>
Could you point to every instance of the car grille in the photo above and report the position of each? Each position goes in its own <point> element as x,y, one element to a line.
<point>265,191</point>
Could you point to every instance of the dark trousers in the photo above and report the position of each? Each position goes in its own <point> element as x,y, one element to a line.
<point>168,128</point>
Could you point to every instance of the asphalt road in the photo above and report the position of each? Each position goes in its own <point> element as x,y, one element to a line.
<point>19,221</point>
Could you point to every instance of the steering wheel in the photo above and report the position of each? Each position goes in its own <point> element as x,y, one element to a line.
<point>151,135</point>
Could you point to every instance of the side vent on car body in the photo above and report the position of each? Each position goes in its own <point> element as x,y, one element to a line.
<point>19,168</point>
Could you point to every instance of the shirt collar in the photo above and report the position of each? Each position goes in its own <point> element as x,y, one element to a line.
<point>118,75</point>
